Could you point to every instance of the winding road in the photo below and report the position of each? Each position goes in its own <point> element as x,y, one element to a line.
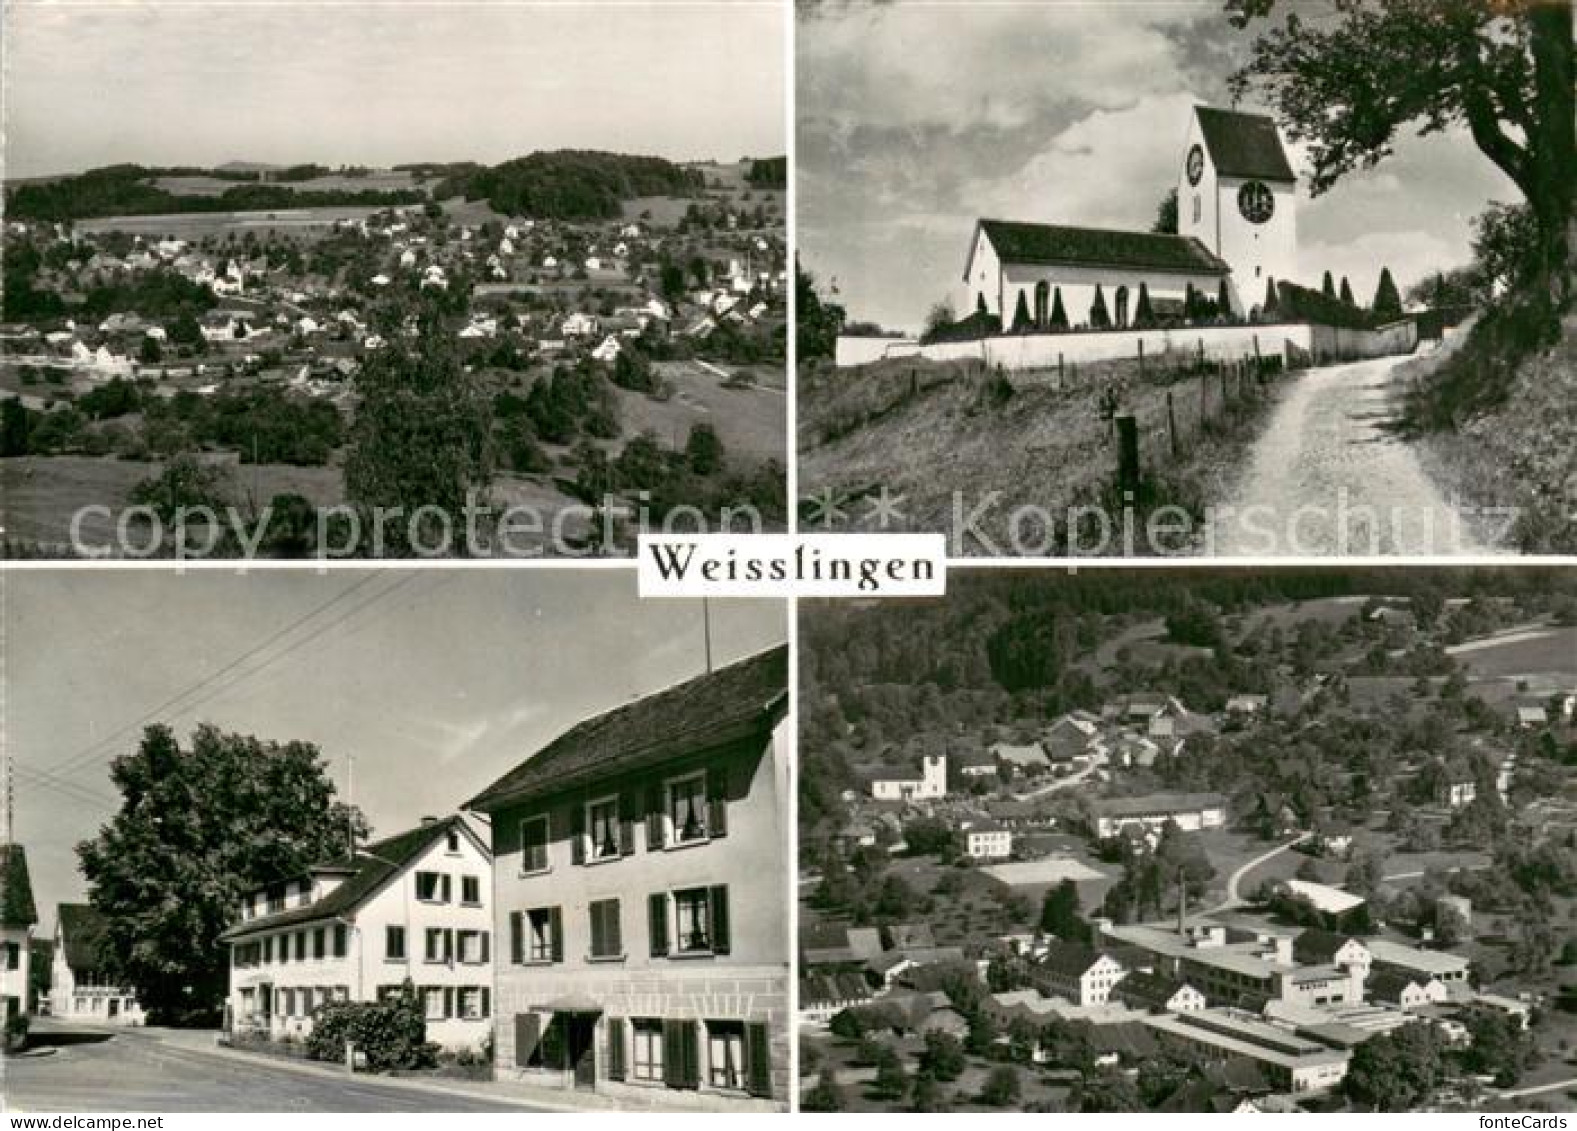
<point>1234,897</point>
<point>1327,477</point>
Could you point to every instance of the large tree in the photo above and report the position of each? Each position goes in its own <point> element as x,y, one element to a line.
<point>422,439</point>
<point>1348,80</point>
<point>197,829</point>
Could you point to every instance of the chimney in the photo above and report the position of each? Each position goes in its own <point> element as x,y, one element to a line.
<point>429,821</point>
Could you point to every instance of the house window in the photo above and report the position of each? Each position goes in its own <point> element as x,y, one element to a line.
<point>432,887</point>
<point>687,808</point>
<point>276,899</point>
<point>605,933</point>
<point>320,943</point>
<point>692,921</point>
<point>440,944</point>
<point>339,940</point>
<point>1196,208</point>
<point>471,890</point>
<point>725,1054</point>
<point>647,1058</point>
<point>534,844</point>
<point>452,844</point>
<point>433,998</point>
<point>301,946</point>
<point>602,821</point>
<point>473,947</point>
<point>394,944</point>
<point>474,1003</point>
<point>543,935</point>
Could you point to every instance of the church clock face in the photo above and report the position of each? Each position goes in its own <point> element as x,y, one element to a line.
<point>1256,202</point>
<point>1196,165</point>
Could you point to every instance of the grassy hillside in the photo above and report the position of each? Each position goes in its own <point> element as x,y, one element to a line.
<point>924,431</point>
<point>1499,429</point>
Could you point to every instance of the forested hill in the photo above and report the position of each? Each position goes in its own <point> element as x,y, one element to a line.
<point>128,190</point>
<point>570,184</point>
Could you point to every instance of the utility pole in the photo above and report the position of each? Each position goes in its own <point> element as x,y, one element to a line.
<point>350,803</point>
<point>706,631</point>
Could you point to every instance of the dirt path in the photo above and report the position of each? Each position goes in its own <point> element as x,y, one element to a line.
<point>1327,477</point>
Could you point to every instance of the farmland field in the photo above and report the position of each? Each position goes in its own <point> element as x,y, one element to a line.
<point>383,180</point>
<point>196,225</point>
<point>41,493</point>
<point>1521,653</point>
<point>749,421</point>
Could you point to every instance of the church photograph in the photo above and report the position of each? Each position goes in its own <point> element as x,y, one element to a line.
<point>1091,280</point>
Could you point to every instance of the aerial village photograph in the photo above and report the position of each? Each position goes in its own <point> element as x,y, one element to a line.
<point>396,840</point>
<point>278,293</point>
<point>1262,279</point>
<point>1191,841</point>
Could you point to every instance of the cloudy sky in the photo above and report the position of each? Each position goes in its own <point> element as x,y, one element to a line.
<point>378,82</point>
<point>436,683</point>
<point>916,119</point>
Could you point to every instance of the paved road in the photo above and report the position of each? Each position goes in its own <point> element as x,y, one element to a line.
<point>1234,897</point>
<point>145,1070</point>
<point>1539,1089</point>
<point>1328,477</point>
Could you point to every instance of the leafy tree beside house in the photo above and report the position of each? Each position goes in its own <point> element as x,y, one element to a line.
<point>1346,295</point>
<point>1166,215</point>
<point>1144,314</point>
<point>197,829</point>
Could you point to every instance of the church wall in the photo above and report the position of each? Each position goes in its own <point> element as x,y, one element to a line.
<point>1017,352</point>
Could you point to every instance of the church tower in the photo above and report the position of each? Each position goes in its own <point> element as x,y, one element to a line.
<point>1236,194</point>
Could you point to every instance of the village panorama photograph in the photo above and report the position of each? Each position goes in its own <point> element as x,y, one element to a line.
<point>392,841</point>
<point>1191,841</point>
<point>1232,278</point>
<point>302,280</point>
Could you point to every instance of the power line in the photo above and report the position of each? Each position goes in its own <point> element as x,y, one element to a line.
<point>64,788</point>
<point>89,752</point>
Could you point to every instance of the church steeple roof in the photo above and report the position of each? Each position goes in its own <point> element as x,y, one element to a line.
<point>1244,145</point>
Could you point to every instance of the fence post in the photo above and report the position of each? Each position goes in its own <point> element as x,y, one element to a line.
<point>1141,359</point>
<point>1059,368</point>
<point>1204,399</point>
<point>1128,454</point>
<point>1171,422</point>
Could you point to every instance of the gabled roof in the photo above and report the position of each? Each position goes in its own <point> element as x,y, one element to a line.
<point>1153,990</point>
<point>82,932</point>
<point>1244,145</point>
<point>366,874</point>
<point>733,703</point>
<point>1319,945</point>
<point>1069,958</point>
<point>1060,245</point>
<point>16,888</point>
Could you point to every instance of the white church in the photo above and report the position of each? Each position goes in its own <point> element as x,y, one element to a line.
<point>1237,226</point>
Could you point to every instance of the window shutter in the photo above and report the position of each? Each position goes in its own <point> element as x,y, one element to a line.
<point>758,1054</point>
<point>717,908</point>
<point>517,937</point>
<point>657,920</point>
<point>487,946</point>
<point>448,888</point>
<point>487,1002</point>
<point>528,1034</point>
<point>448,944</point>
<point>673,1053</point>
<point>597,947</point>
<point>556,933</point>
<point>656,824</point>
<point>690,1048</point>
<point>616,1048</point>
<point>448,1001</point>
<point>717,801</point>
<point>577,835</point>
<point>614,933</point>
<point>629,810</point>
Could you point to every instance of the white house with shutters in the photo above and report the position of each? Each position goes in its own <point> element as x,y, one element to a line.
<point>641,871</point>
<point>79,988</point>
<point>413,907</point>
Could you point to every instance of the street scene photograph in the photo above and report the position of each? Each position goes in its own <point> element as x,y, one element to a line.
<point>384,841</point>
<point>1228,278</point>
<point>1191,841</point>
<point>437,280</point>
